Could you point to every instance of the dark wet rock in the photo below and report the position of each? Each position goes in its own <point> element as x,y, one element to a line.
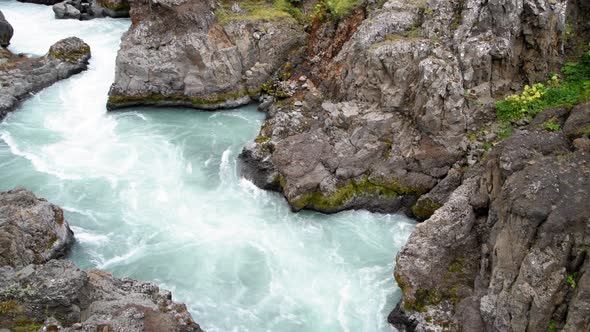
<point>176,53</point>
<point>578,123</point>
<point>6,31</point>
<point>89,9</point>
<point>21,76</point>
<point>508,250</point>
<point>32,230</point>
<point>37,290</point>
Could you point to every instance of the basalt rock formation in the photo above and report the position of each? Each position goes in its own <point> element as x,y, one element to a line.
<point>6,31</point>
<point>37,291</point>
<point>384,100</point>
<point>177,53</point>
<point>20,76</point>
<point>508,251</point>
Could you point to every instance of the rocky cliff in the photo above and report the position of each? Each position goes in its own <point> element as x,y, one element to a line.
<point>38,292</point>
<point>384,100</point>
<point>180,53</point>
<point>21,76</point>
<point>508,251</point>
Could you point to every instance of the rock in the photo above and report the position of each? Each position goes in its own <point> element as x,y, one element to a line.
<point>40,292</point>
<point>6,31</point>
<point>513,260</point>
<point>179,54</point>
<point>89,9</point>
<point>22,76</point>
<point>578,123</point>
<point>66,10</point>
<point>32,230</point>
<point>114,8</point>
<point>87,301</point>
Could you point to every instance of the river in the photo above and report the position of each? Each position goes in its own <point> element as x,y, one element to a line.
<point>155,194</point>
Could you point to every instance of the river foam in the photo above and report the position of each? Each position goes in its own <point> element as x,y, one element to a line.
<point>156,195</point>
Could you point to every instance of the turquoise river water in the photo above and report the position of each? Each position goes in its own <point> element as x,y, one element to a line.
<point>156,195</point>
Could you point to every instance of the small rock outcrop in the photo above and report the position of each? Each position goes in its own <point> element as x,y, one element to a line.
<point>508,251</point>
<point>37,291</point>
<point>180,53</point>
<point>89,9</point>
<point>21,76</point>
<point>6,31</point>
<point>32,230</point>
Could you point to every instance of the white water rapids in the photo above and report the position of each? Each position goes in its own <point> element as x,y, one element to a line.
<point>155,194</point>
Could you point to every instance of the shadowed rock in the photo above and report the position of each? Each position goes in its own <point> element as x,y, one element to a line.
<point>6,31</point>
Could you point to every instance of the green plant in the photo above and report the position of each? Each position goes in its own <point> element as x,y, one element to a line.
<point>339,9</point>
<point>572,89</point>
<point>570,279</point>
<point>552,326</point>
<point>552,125</point>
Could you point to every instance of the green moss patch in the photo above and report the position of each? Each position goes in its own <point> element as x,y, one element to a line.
<point>425,208</point>
<point>345,194</point>
<point>254,11</point>
<point>156,99</point>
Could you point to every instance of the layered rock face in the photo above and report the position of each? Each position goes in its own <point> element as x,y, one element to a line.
<point>21,76</point>
<point>508,251</point>
<point>37,291</point>
<point>406,83</point>
<point>177,53</point>
<point>6,31</point>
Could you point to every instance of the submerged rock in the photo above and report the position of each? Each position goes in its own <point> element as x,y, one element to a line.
<point>177,53</point>
<point>37,290</point>
<point>6,31</point>
<point>508,250</point>
<point>20,76</point>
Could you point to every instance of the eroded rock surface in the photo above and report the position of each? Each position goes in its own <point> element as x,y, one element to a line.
<point>177,53</point>
<point>20,76</point>
<point>37,289</point>
<point>508,251</point>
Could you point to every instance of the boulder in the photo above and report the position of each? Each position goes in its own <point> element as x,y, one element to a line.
<point>6,31</point>
<point>66,10</point>
<point>32,230</point>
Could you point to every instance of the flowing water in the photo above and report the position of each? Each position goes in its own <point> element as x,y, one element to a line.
<point>156,195</point>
